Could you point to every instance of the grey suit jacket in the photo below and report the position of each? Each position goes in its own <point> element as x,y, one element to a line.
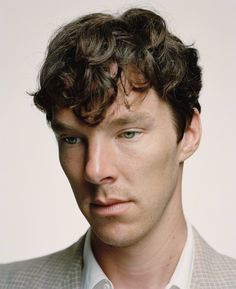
<point>62,270</point>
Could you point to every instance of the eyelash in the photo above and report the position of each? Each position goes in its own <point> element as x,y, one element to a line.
<point>67,140</point>
<point>134,132</point>
<point>74,140</point>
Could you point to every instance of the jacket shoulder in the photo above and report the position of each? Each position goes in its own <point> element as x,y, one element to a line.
<point>51,271</point>
<point>212,269</point>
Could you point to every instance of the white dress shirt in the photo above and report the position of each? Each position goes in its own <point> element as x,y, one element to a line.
<point>94,278</point>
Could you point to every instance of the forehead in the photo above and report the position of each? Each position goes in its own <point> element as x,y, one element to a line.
<point>134,108</point>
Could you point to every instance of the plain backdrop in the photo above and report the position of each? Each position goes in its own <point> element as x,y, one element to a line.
<point>38,213</point>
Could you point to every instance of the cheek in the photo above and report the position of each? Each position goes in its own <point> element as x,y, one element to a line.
<point>72,166</point>
<point>73,169</point>
<point>165,165</point>
<point>165,160</point>
<point>154,169</point>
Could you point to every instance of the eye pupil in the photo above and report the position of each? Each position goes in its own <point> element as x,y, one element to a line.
<point>129,134</point>
<point>71,140</point>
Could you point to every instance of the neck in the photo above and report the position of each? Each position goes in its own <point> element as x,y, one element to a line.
<point>151,262</point>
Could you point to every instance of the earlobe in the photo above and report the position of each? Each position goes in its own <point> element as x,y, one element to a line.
<point>191,138</point>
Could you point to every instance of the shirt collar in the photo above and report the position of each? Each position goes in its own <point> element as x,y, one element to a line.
<point>92,274</point>
<point>183,273</point>
<point>94,278</point>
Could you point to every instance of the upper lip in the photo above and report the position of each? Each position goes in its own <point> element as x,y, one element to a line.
<point>108,202</point>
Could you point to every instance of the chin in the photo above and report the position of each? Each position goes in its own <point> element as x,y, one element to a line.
<point>115,235</point>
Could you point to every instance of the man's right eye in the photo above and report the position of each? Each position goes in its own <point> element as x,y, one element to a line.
<point>71,140</point>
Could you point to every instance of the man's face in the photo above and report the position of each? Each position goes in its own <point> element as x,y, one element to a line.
<point>126,171</point>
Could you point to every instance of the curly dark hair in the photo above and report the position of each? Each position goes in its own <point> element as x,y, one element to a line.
<point>76,73</point>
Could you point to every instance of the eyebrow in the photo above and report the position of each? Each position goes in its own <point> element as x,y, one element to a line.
<point>132,118</point>
<point>129,119</point>
<point>58,126</point>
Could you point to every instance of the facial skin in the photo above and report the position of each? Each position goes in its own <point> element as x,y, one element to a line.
<point>126,172</point>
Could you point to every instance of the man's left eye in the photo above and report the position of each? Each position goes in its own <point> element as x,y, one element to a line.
<point>130,134</point>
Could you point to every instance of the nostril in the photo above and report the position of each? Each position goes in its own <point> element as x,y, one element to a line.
<point>99,174</point>
<point>99,168</point>
<point>107,180</point>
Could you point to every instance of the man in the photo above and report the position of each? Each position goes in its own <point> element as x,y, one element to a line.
<point>121,94</point>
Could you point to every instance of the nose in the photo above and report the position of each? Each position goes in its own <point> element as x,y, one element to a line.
<point>100,166</point>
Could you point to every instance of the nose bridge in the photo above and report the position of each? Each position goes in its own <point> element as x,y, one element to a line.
<point>98,164</point>
<point>94,155</point>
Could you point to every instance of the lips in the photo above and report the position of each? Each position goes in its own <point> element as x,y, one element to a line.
<point>108,202</point>
<point>110,206</point>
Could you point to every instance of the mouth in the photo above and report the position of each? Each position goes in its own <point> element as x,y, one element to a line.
<point>110,207</point>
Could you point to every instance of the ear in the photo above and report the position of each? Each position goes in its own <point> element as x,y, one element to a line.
<point>191,138</point>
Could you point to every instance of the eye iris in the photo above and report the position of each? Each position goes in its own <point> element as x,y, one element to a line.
<point>129,134</point>
<point>71,140</point>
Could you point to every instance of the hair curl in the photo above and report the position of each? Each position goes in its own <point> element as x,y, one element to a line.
<point>76,72</point>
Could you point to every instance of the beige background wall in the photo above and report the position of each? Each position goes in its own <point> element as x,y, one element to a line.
<point>38,213</point>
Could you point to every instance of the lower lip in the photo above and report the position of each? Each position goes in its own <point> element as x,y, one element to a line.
<point>110,210</point>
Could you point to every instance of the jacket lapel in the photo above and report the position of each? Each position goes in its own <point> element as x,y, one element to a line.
<point>74,267</point>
